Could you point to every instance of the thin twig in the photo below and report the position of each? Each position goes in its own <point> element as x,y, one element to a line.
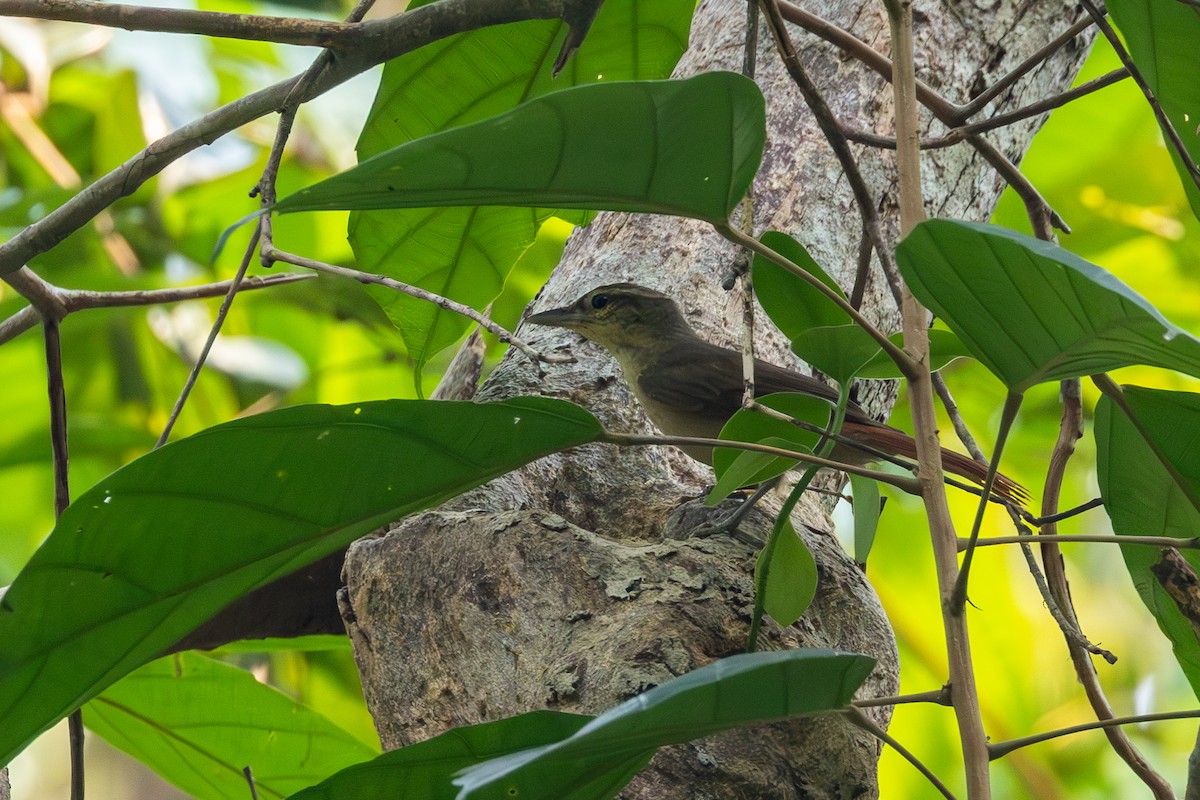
<point>1038,522</point>
<point>832,130</point>
<point>265,187</point>
<point>222,312</point>
<point>73,300</point>
<point>1191,543</point>
<point>1070,431</point>
<point>939,696</point>
<point>254,27</point>
<point>249,774</point>
<point>56,390</point>
<point>444,303</point>
<point>743,259</point>
<point>1001,749</point>
<point>860,719</point>
<point>899,481</point>
<point>970,109</point>
<point>44,296</point>
<point>945,111</point>
<point>957,135</point>
<point>956,419</point>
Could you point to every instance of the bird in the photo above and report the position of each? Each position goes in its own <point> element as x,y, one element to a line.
<point>691,387</point>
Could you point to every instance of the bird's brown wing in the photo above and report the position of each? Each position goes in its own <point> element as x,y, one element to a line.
<point>705,379</point>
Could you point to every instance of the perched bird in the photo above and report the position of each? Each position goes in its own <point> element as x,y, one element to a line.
<point>690,387</point>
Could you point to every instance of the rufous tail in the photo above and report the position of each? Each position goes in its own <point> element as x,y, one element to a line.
<point>897,442</point>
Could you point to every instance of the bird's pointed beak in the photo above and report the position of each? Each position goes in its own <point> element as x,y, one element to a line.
<point>566,317</point>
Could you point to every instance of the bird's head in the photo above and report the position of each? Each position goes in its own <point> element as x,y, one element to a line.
<point>619,316</point>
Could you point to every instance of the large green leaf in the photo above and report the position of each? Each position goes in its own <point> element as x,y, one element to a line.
<point>466,253</point>
<point>162,544</point>
<point>1148,469</point>
<point>688,148</point>
<point>1033,312</point>
<point>740,690</point>
<point>426,769</point>
<point>1161,37</point>
<point>197,722</point>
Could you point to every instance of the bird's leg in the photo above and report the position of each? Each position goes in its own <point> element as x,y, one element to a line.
<point>730,522</point>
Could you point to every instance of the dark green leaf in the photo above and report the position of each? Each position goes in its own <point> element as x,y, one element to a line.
<point>1033,312</point>
<point>792,582</point>
<point>793,304</point>
<point>840,351</point>
<point>426,769</point>
<point>1161,38</point>
<point>821,333</point>
<point>740,690</point>
<point>162,544</point>
<point>1149,475</point>
<point>866,515</point>
<point>688,148</point>
<point>197,722</point>
<point>750,468</point>
<point>754,426</point>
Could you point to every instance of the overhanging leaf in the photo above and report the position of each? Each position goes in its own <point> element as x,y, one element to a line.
<point>866,515</point>
<point>739,690</point>
<point>688,148</point>
<point>197,722</point>
<point>466,253</point>
<point>162,544</point>
<point>1033,312</point>
<point>1149,475</point>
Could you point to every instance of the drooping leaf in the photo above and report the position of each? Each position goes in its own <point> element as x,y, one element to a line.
<point>1148,469</point>
<point>197,722</point>
<point>1161,38</point>
<point>793,577</point>
<point>866,515</point>
<point>426,769</point>
<point>162,544</point>
<point>1033,312</point>
<point>739,690</point>
<point>687,148</point>
<point>466,253</point>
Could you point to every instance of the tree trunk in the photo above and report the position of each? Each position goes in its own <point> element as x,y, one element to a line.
<point>571,584</point>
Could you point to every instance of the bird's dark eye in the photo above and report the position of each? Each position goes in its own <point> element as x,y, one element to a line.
<point>600,301</point>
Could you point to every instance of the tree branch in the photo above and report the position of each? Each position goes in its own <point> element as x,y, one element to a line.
<point>380,41</point>
<point>281,30</point>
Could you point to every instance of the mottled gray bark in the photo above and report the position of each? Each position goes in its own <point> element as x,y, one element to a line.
<point>571,583</point>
